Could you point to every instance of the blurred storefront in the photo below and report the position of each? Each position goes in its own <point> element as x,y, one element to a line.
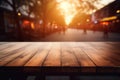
<point>108,16</point>
<point>7,22</point>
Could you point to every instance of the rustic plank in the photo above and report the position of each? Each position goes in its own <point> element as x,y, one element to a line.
<point>38,59</point>
<point>60,54</point>
<point>14,46</point>
<point>3,43</point>
<point>113,46</point>
<point>105,46</point>
<point>9,51</point>
<point>7,45</point>
<point>96,56</point>
<point>67,56</point>
<point>110,52</point>
<point>84,60</point>
<point>24,57</point>
<point>54,56</point>
<point>15,54</point>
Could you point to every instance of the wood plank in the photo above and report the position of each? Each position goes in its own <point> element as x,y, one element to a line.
<point>110,53</point>
<point>7,45</point>
<point>9,51</point>
<point>105,46</point>
<point>39,58</point>
<point>113,47</point>
<point>14,46</point>
<point>97,57</point>
<point>3,43</point>
<point>83,59</point>
<point>60,54</point>
<point>68,58</point>
<point>54,56</point>
<point>15,54</point>
<point>23,58</point>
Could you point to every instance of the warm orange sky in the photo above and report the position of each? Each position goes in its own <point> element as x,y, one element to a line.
<point>69,8</point>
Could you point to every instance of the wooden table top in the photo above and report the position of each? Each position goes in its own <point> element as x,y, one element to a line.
<point>85,54</point>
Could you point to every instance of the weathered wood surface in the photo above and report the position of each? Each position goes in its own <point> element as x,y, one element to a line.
<point>85,54</point>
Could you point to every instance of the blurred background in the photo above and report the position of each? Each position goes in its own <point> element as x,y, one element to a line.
<point>59,20</point>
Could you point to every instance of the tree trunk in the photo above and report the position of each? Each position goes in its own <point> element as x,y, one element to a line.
<point>18,27</point>
<point>44,19</point>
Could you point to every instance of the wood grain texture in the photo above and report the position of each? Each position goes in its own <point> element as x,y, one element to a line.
<point>84,54</point>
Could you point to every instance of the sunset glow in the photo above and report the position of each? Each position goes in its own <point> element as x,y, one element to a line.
<point>68,9</point>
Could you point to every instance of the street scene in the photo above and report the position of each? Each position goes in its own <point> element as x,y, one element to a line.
<point>79,35</point>
<point>59,20</point>
<point>59,39</point>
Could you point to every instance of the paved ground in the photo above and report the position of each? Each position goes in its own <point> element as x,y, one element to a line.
<point>80,35</point>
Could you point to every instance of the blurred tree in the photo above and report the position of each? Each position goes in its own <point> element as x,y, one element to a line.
<point>41,9</point>
<point>44,10</point>
<point>15,5</point>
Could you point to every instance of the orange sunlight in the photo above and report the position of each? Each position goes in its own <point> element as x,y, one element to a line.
<point>68,9</point>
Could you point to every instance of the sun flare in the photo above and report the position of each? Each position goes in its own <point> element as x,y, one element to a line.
<point>68,9</point>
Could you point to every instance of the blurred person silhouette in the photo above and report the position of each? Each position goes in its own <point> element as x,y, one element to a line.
<point>64,29</point>
<point>84,29</point>
<point>105,31</point>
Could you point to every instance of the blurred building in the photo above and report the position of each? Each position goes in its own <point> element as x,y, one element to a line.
<point>108,16</point>
<point>113,9</point>
<point>7,22</point>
